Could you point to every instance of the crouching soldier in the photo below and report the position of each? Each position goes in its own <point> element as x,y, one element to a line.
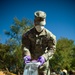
<point>39,43</point>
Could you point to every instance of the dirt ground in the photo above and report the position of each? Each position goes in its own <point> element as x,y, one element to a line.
<point>6,73</point>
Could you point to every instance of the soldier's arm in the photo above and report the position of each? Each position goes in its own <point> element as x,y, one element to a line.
<point>25,45</point>
<point>50,50</point>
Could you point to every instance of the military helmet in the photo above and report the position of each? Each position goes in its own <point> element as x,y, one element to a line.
<point>40,14</point>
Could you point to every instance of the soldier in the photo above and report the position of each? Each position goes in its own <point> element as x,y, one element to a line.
<point>39,43</point>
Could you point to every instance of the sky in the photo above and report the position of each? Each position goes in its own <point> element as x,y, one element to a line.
<point>60,18</point>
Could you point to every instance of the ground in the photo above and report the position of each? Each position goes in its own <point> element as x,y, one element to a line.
<point>6,73</point>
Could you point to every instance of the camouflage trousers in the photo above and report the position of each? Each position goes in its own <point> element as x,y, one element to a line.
<point>44,69</point>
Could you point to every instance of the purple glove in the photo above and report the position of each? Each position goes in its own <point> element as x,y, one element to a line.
<point>27,59</point>
<point>41,59</point>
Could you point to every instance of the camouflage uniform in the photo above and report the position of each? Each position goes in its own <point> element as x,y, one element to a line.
<point>43,44</point>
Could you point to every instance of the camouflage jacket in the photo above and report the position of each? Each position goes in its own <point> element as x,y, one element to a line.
<point>42,44</point>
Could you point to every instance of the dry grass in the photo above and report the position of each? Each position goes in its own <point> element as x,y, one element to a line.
<point>6,73</point>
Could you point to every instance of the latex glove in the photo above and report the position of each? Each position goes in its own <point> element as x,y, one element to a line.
<point>41,59</point>
<point>27,59</point>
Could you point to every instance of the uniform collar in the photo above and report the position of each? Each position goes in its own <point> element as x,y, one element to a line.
<point>43,32</point>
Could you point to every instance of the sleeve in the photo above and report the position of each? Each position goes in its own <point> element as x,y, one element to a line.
<point>51,48</point>
<point>25,45</point>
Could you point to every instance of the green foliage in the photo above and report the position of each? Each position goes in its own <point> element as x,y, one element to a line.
<point>63,56</point>
<point>17,29</point>
<point>4,53</point>
<point>73,61</point>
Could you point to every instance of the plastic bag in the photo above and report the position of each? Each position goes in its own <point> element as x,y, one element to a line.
<point>31,68</point>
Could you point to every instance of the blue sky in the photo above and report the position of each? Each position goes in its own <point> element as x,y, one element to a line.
<point>60,15</point>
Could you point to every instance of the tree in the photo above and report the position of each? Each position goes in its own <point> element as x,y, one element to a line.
<point>73,61</point>
<point>4,53</point>
<point>18,28</point>
<point>63,56</point>
<point>15,33</point>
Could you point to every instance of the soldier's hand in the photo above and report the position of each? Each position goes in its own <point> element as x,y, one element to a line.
<point>27,59</point>
<point>41,59</point>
